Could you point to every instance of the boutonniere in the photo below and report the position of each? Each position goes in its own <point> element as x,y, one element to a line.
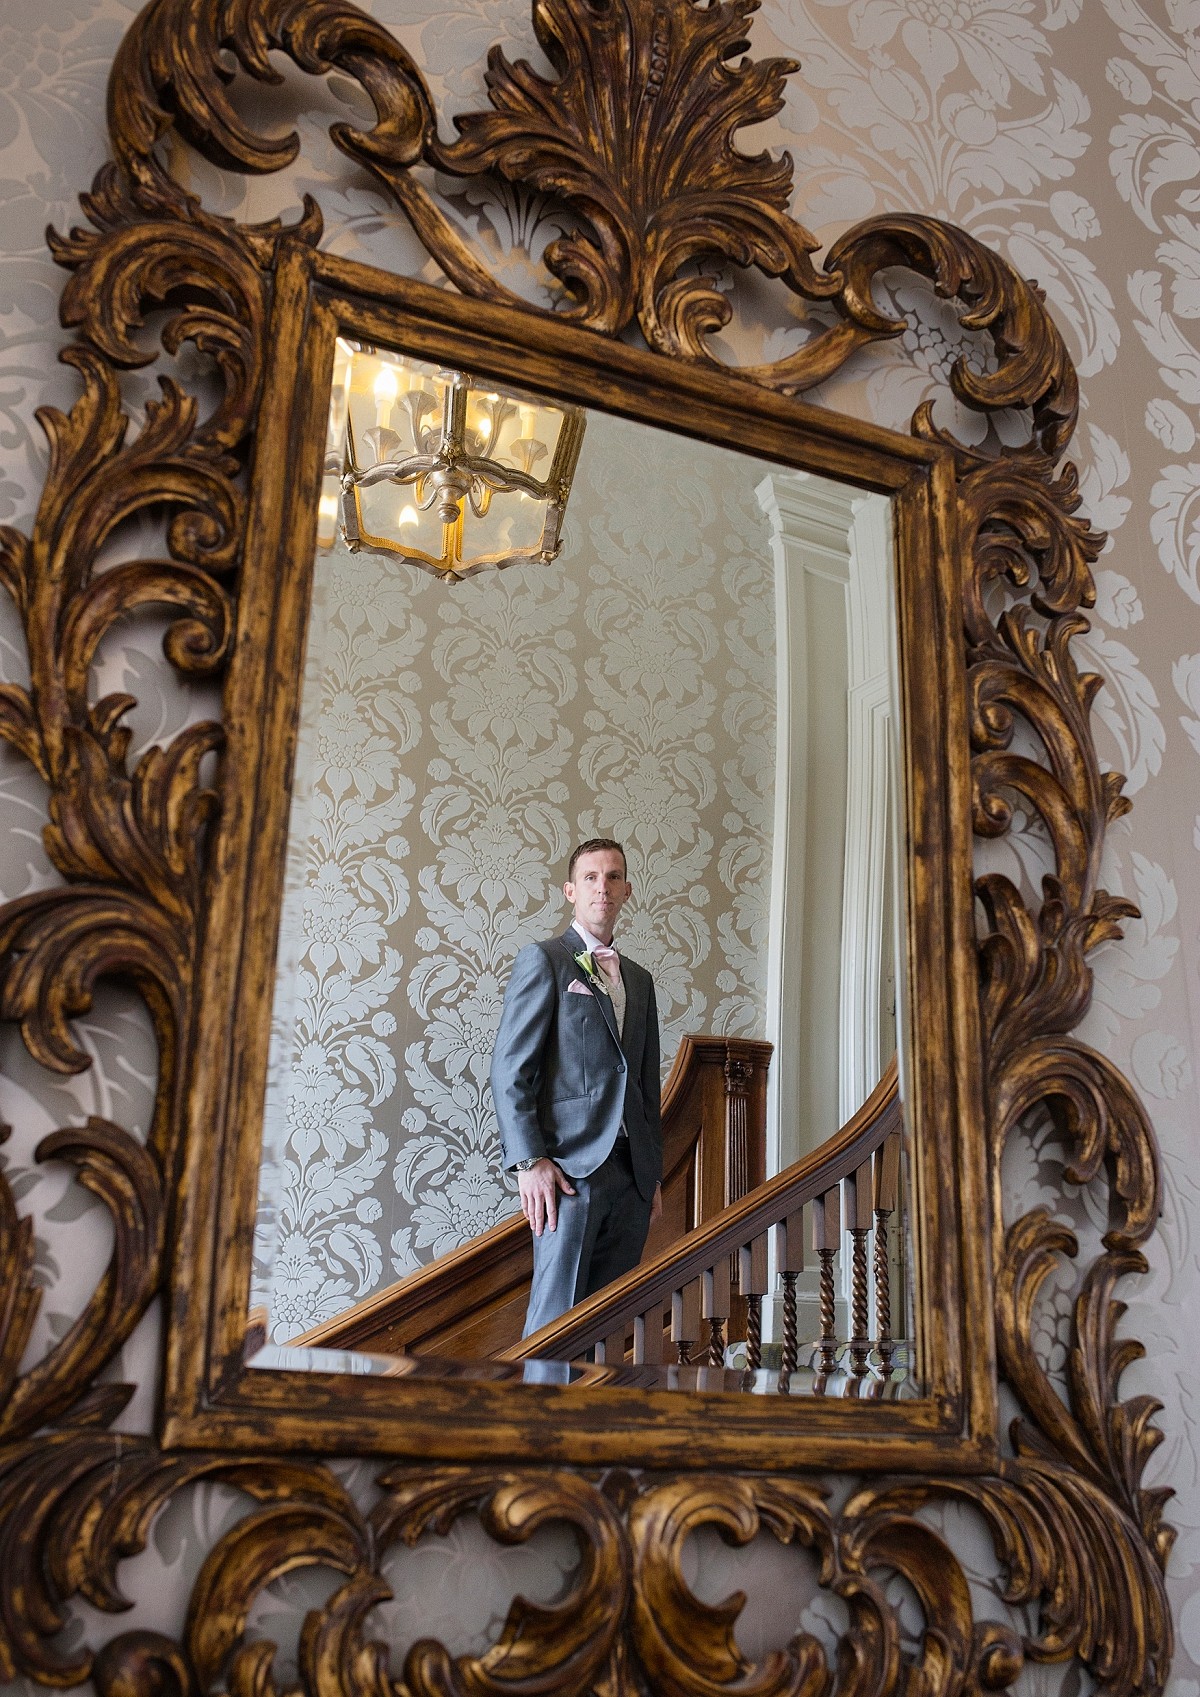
<point>587,965</point>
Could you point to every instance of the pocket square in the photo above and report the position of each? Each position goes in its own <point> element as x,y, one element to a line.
<point>575,988</point>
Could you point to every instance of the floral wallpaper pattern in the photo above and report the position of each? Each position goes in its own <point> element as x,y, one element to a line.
<point>1066,134</point>
<point>627,691</point>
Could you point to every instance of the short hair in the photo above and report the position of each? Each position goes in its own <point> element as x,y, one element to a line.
<point>590,847</point>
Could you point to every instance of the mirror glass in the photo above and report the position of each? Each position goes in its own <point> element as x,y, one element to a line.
<point>533,625</point>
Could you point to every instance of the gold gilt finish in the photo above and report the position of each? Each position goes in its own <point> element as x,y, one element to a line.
<point>634,134</point>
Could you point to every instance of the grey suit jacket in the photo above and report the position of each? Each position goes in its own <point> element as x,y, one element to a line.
<point>562,1079</point>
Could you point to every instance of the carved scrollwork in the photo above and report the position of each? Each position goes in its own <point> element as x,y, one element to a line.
<point>684,1649</point>
<point>634,135</point>
<point>662,195</point>
<point>577,1635</point>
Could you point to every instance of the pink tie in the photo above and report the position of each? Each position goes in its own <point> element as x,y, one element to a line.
<point>609,962</point>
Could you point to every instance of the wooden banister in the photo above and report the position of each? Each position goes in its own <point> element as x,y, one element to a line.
<point>702,1259</point>
<point>471,1301</point>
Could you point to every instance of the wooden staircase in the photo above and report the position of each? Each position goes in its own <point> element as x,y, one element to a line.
<point>471,1302</point>
<point>677,1310</point>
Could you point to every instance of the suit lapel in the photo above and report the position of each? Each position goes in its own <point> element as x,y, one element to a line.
<point>635,1013</point>
<point>574,946</point>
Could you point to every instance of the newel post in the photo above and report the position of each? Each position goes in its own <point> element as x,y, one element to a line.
<point>737,1129</point>
<point>744,1153</point>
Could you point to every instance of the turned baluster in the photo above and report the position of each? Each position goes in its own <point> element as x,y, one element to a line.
<point>685,1321</point>
<point>827,1231</point>
<point>791,1338</point>
<point>752,1284</point>
<point>714,1307</point>
<point>859,1189</point>
<point>648,1336</point>
<point>789,1259</point>
<point>887,1185</point>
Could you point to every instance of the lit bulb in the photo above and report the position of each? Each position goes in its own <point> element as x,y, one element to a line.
<point>342,363</point>
<point>481,420</point>
<point>408,515</point>
<point>327,512</point>
<point>339,395</point>
<point>386,390</point>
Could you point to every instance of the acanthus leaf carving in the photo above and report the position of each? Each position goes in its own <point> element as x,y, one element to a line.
<point>127,1179</point>
<point>655,178</point>
<point>1033,368</point>
<point>20,1297</point>
<point>1065,1550</point>
<point>687,1649</point>
<point>141,1664</point>
<point>576,1635</point>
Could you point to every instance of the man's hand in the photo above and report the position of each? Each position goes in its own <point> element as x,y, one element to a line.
<point>656,1204</point>
<point>539,1186</point>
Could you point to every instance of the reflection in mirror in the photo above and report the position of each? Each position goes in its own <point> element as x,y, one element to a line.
<point>689,650</point>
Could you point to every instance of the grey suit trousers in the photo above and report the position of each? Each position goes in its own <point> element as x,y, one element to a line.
<point>600,1235</point>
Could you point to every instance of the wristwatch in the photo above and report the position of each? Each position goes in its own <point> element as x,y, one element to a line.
<point>524,1166</point>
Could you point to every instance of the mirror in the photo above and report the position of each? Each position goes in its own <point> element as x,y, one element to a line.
<point>688,649</point>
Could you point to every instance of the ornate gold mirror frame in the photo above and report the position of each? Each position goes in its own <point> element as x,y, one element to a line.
<point>634,136</point>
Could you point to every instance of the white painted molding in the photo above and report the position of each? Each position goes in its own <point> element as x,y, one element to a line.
<point>870,800</point>
<point>782,505</point>
<point>827,531</point>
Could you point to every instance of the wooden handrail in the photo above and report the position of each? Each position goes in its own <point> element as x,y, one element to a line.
<point>650,1287</point>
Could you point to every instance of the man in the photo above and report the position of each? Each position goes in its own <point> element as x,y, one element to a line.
<point>577,1092</point>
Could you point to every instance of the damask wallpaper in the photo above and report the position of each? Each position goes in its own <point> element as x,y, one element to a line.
<point>1067,135</point>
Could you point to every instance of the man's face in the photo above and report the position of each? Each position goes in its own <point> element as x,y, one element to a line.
<point>598,891</point>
